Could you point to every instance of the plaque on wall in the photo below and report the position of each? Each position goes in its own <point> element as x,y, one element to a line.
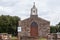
<point>19,29</point>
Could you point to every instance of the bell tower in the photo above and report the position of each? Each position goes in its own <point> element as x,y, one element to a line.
<point>34,10</point>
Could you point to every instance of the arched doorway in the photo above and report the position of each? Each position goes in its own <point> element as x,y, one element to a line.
<point>34,29</point>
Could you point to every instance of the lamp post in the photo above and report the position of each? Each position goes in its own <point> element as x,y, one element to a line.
<point>58,28</point>
<point>58,34</point>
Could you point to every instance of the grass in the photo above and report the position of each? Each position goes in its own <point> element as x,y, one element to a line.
<point>42,39</point>
<point>14,38</point>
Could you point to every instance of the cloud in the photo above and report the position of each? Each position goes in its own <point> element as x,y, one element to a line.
<point>47,9</point>
<point>8,2</point>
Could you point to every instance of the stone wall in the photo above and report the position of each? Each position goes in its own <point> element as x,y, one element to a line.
<point>58,36</point>
<point>43,26</point>
<point>5,36</point>
<point>52,36</point>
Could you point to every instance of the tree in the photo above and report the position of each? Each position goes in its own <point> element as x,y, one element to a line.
<point>9,24</point>
<point>58,27</point>
<point>53,29</point>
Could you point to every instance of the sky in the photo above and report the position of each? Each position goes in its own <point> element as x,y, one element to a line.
<point>47,9</point>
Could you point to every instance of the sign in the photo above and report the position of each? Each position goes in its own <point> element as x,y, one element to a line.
<point>19,29</point>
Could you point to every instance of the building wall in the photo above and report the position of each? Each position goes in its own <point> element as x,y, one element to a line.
<point>43,26</point>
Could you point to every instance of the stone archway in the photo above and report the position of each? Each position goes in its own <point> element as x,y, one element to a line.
<point>34,29</point>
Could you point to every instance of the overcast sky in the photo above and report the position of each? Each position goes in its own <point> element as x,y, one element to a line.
<point>47,9</point>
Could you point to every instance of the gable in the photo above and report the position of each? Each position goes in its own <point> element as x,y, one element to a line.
<point>35,19</point>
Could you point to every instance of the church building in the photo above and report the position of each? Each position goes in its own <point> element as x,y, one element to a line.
<point>33,27</point>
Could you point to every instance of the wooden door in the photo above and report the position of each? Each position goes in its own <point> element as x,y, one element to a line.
<point>34,29</point>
